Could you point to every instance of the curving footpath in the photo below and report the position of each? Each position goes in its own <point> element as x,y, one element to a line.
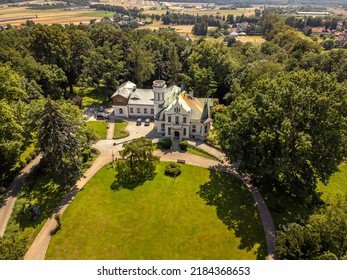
<point>110,148</point>
<point>7,204</point>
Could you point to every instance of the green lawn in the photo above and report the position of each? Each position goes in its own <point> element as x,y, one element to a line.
<point>42,192</point>
<point>119,129</point>
<point>285,209</point>
<point>201,214</point>
<point>93,96</point>
<point>100,129</point>
<point>337,184</point>
<point>202,153</point>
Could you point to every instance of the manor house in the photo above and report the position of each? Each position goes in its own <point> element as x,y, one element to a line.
<point>175,113</point>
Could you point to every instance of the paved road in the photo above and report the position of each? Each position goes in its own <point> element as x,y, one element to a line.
<point>7,204</point>
<point>109,149</point>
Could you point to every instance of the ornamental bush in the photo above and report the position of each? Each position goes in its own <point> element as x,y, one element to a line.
<point>166,143</point>
<point>183,145</point>
<point>172,169</point>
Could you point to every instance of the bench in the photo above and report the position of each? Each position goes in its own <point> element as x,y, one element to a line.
<point>181,161</point>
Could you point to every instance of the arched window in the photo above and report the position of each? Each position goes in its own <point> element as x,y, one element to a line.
<point>120,111</point>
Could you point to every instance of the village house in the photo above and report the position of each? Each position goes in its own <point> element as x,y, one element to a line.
<point>176,113</point>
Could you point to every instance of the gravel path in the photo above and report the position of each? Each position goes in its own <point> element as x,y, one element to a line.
<point>110,130</point>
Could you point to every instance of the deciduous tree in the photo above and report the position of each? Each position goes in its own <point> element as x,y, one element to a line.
<point>288,131</point>
<point>138,163</point>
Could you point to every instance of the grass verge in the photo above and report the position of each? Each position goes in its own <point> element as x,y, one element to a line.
<point>202,153</point>
<point>119,129</point>
<point>100,129</point>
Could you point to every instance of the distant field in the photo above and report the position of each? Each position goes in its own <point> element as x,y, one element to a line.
<point>130,3</point>
<point>251,39</point>
<point>198,11</point>
<point>182,29</point>
<point>12,15</point>
<point>338,11</point>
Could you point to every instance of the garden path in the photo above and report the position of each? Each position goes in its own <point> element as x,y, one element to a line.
<point>7,204</point>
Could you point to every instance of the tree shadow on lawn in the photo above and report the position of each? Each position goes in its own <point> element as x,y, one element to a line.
<point>46,195</point>
<point>236,208</point>
<point>131,182</point>
<point>283,206</point>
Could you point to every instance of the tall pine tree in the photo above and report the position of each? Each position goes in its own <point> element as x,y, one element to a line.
<point>60,145</point>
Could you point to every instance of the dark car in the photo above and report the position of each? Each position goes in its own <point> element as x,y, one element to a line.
<point>102,116</point>
<point>138,121</point>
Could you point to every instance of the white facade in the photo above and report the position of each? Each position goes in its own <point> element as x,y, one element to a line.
<point>176,114</point>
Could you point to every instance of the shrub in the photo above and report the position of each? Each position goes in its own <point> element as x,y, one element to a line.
<point>2,190</point>
<point>183,145</point>
<point>166,143</point>
<point>28,159</point>
<point>172,169</point>
<point>21,164</point>
<point>33,154</point>
<point>86,155</point>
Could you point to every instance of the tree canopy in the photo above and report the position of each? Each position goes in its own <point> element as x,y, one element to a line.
<point>137,165</point>
<point>288,131</point>
<point>60,145</point>
<point>323,237</point>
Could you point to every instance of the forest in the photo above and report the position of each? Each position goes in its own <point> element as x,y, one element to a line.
<point>280,106</point>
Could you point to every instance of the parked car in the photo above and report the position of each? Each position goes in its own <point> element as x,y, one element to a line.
<point>102,116</point>
<point>147,121</point>
<point>138,121</point>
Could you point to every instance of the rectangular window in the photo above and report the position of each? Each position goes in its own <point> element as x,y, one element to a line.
<point>131,110</point>
<point>162,127</point>
<point>177,120</point>
<point>152,111</point>
<point>184,119</point>
<point>169,131</point>
<point>205,128</point>
<point>169,119</point>
<point>138,110</point>
<point>184,131</point>
<point>145,110</point>
<point>194,128</point>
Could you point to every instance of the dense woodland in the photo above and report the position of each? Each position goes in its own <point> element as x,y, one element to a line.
<point>282,111</point>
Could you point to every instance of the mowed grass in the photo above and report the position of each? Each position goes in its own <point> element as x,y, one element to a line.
<point>43,192</point>
<point>284,209</point>
<point>201,214</point>
<point>337,184</point>
<point>100,129</point>
<point>119,129</point>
